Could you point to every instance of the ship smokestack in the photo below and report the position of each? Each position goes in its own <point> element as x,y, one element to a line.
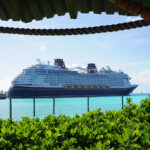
<point>60,62</point>
<point>91,68</point>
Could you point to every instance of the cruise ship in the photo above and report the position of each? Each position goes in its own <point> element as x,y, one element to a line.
<point>45,80</point>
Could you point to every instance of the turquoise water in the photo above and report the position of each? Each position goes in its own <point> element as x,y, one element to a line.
<point>66,106</point>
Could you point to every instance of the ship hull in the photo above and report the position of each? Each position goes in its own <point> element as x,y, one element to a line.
<point>22,92</point>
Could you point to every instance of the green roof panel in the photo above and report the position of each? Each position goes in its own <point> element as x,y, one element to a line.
<point>28,10</point>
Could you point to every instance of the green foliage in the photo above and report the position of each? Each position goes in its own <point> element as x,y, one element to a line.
<point>125,129</point>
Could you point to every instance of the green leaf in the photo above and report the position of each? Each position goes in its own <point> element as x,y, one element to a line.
<point>48,133</point>
<point>3,130</point>
<point>20,146</point>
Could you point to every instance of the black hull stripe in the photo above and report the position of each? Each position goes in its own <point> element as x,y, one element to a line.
<point>66,92</point>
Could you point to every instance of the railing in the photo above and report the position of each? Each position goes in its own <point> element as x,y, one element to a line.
<point>53,105</point>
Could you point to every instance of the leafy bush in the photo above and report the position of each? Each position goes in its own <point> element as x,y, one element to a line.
<point>125,129</point>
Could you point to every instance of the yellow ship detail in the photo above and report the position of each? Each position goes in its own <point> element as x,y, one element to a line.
<point>68,85</point>
<point>95,86</point>
<point>76,85</point>
<point>89,86</point>
<point>100,86</point>
<point>106,86</point>
<point>82,85</point>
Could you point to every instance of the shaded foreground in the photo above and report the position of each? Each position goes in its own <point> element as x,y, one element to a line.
<point>125,129</point>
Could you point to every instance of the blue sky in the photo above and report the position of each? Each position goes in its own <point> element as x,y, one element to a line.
<point>125,50</point>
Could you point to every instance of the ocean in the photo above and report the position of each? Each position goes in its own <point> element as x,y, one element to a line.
<point>63,106</point>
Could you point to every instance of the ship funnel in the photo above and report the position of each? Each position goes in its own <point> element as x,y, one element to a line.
<point>59,62</point>
<point>91,68</point>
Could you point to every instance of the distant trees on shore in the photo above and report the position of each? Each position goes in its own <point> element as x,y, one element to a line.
<point>2,93</point>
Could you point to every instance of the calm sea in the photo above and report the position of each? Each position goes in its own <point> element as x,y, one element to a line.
<point>66,106</point>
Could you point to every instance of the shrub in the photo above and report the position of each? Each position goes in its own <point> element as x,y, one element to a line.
<point>125,129</point>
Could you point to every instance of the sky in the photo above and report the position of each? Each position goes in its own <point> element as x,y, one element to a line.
<point>127,50</point>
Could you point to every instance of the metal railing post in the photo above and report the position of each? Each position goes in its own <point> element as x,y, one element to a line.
<point>10,108</point>
<point>53,105</point>
<point>122,102</point>
<point>34,107</point>
<point>88,104</point>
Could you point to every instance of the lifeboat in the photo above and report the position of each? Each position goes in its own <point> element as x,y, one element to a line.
<point>89,86</point>
<point>68,85</point>
<point>76,85</point>
<point>95,86</point>
<point>106,86</point>
<point>100,86</point>
<point>82,85</point>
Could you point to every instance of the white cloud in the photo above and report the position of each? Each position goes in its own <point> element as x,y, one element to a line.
<point>72,65</point>
<point>102,45</point>
<point>142,77</point>
<point>5,83</point>
<point>22,24</point>
<point>22,37</point>
<point>75,65</point>
<point>133,18</point>
<point>43,47</point>
<point>133,64</point>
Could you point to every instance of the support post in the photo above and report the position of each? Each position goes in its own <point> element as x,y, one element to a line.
<point>53,105</point>
<point>122,102</point>
<point>88,104</point>
<point>10,108</point>
<point>34,107</point>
